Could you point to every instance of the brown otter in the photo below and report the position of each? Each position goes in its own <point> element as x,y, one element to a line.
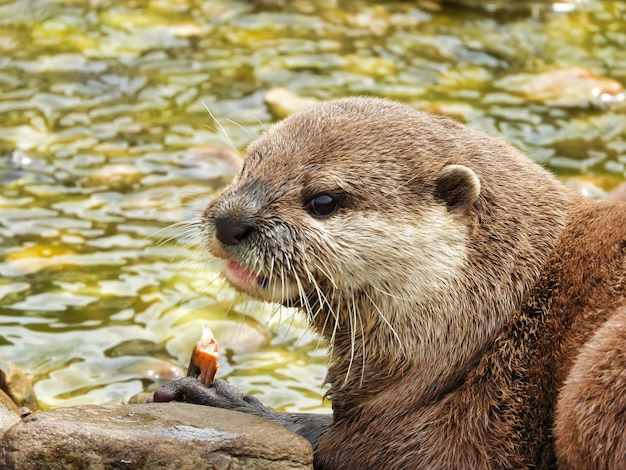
<point>471,302</point>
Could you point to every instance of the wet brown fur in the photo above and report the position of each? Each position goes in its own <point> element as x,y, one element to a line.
<point>513,357</point>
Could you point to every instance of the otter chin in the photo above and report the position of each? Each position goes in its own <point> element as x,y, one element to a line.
<point>474,307</point>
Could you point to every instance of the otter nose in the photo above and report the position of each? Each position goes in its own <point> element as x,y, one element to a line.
<point>230,232</point>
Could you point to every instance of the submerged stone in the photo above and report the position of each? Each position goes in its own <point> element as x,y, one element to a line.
<point>9,412</point>
<point>17,386</point>
<point>283,102</point>
<point>567,88</point>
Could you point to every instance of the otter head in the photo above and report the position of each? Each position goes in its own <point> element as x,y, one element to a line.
<point>386,225</point>
<point>329,209</point>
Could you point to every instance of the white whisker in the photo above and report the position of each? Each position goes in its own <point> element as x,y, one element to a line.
<point>221,128</point>
<point>382,316</point>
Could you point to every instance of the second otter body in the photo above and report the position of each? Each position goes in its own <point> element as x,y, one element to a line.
<point>475,308</point>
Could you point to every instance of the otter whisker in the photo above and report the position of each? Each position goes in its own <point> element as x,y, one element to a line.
<point>382,316</point>
<point>271,281</point>
<point>314,316</point>
<point>322,268</point>
<point>213,265</point>
<point>352,320</point>
<point>270,275</point>
<point>276,307</point>
<point>191,226</point>
<point>188,244</point>
<point>325,305</point>
<point>395,189</point>
<point>215,275</point>
<point>188,240</point>
<point>221,128</point>
<point>389,294</point>
<point>250,260</point>
<point>263,126</point>
<point>333,336</point>
<point>320,295</point>
<point>302,294</point>
<point>363,346</point>
<point>330,315</point>
<point>241,127</point>
<point>322,300</point>
<point>283,296</point>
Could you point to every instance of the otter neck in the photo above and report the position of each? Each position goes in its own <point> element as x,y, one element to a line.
<point>368,354</point>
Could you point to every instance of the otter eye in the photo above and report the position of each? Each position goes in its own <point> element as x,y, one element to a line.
<point>322,205</point>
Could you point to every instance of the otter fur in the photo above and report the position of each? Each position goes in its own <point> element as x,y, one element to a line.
<point>474,307</point>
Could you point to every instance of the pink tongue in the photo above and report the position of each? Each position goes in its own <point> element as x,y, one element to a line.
<point>243,275</point>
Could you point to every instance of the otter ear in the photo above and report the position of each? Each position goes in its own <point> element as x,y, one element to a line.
<point>458,186</point>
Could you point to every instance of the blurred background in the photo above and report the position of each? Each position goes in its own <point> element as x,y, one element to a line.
<point>120,119</point>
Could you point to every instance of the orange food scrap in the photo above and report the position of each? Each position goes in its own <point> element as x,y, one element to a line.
<point>204,357</point>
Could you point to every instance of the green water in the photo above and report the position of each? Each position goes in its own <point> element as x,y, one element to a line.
<point>107,156</point>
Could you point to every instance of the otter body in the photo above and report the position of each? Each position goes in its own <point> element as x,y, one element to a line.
<point>474,307</point>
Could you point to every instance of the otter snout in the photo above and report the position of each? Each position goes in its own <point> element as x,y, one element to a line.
<point>234,216</point>
<point>230,231</point>
<point>253,245</point>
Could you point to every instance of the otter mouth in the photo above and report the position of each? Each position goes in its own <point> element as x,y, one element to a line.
<point>257,285</point>
<point>242,278</point>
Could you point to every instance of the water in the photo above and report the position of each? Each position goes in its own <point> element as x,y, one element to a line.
<point>108,153</point>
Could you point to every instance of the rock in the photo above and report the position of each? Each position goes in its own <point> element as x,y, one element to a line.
<point>568,88</point>
<point>283,102</point>
<point>9,412</point>
<point>148,436</point>
<point>16,384</point>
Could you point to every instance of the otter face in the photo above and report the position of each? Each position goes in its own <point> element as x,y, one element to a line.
<point>329,212</point>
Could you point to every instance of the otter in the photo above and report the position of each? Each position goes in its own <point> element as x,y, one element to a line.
<point>474,306</point>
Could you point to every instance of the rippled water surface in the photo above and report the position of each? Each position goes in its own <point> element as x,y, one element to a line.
<point>108,152</point>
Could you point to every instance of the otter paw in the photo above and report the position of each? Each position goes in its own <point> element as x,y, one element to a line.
<point>219,394</point>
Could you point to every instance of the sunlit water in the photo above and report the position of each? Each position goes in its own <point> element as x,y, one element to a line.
<point>106,151</point>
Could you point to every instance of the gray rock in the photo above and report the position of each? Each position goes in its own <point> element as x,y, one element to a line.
<point>149,436</point>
